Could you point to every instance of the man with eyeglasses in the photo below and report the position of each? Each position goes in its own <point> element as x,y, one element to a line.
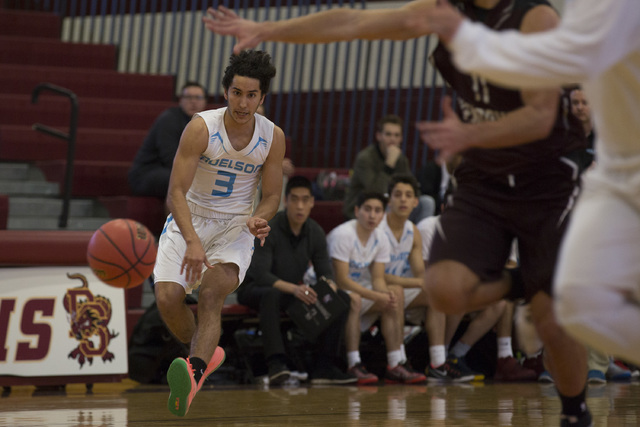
<point>151,168</point>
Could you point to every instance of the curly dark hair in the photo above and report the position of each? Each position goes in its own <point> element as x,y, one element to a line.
<point>255,64</point>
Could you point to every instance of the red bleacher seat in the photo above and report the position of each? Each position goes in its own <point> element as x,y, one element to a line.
<point>54,53</point>
<point>90,178</point>
<point>149,211</point>
<point>36,24</point>
<point>22,143</point>
<point>55,111</point>
<point>86,82</point>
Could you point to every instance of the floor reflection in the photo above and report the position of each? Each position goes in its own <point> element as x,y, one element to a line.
<point>464,405</point>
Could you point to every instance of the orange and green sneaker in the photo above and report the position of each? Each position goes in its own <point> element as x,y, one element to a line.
<point>217,359</point>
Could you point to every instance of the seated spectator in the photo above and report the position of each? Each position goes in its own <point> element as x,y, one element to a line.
<point>375,165</point>
<point>359,252</point>
<point>151,168</point>
<point>274,281</point>
<point>406,266</point>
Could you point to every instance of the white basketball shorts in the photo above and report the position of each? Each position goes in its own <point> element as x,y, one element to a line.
<point>224,241</point>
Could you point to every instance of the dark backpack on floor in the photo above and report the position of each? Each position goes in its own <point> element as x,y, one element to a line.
<point>152,348</point>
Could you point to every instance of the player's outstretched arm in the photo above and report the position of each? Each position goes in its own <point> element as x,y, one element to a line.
<point>328,26</point>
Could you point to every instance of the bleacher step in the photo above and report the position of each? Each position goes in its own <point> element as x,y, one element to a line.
<point>39,207</point>
<point>29,188</point>
<point>51,223</point>
<point>14,171</point>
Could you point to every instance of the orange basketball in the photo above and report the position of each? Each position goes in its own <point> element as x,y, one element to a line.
<point>122,253</point>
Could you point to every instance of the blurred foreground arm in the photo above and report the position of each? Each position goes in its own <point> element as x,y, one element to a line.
<point>328,26</point>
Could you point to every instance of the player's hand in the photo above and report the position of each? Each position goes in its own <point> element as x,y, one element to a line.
<point>194,258</point>
<point>306,294</point>
<point>259,227</point>
<point>226,22</point>
<point>387,299</point>
<point>444,20</point>
<point>449,136</point>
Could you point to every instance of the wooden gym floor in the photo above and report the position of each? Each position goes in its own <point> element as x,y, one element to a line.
<point>130,404</point>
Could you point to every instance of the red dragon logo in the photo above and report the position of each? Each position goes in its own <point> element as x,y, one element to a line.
<point>89,317</point>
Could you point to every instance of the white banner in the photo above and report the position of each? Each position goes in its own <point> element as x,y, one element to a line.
<point>60,321</point>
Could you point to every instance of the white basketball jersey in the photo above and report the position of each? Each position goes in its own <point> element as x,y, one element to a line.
<point>427,228</point>
<point>400,250</point>
<point>226,180</point>
<point>344,245</point>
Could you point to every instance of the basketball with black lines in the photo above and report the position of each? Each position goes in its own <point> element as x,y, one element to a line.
<point>122,253</point>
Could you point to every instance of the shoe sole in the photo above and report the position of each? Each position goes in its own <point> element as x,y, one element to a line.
<point>365,381</point>
<point>279,378</point>
<point>416,381</point>
<point>179,379</point>
<point>326,381</point>
<point>465,379</point>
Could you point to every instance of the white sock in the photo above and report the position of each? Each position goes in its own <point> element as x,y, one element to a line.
<point>437,355</point>
<point>460,349</point>
<point>353,358</point>
<point>403,355</point>
<point>393,358</point>
<point>504,347</point>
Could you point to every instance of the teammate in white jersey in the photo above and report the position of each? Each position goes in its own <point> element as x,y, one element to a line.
<point>209,236</point>
<point>406,267</point>
<point>359,251</point>
<point>597,285</point>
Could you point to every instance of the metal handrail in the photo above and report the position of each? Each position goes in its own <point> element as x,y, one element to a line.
<point>69,137</point>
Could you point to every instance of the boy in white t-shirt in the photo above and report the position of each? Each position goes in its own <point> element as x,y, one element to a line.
<point>406,266</point>
<point>359,251</point>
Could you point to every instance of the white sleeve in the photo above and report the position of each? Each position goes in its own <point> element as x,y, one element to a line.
<point>592,36</point>
<point>384,251</point>
<point>340,245</point>
<point>427,228</point>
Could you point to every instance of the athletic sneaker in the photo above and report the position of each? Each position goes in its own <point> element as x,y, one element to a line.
<point>216,360</point>
<point>278,373</point>
<point>403,374</point>
<point>545,377</point>
<point>617,373</point>
<point>595,376</point>
<point>331,375</point>
<point>509,369</point>
<point>583,420</point>
<point>363,376</point>
<point>436,374</point>
<point>535,363</point>
<point>458,371</point>
<point>183,386</point>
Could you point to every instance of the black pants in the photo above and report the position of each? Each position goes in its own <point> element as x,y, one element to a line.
<point>270,302</point>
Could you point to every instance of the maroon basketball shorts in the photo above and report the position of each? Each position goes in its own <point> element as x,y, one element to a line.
<point>483,218</point>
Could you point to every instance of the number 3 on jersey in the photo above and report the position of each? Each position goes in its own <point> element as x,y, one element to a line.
<point>226,184</point>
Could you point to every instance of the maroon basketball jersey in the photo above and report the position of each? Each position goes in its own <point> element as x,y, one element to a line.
<point>479,101</point>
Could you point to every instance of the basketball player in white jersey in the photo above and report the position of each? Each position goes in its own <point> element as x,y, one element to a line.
<point>208,238</point>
